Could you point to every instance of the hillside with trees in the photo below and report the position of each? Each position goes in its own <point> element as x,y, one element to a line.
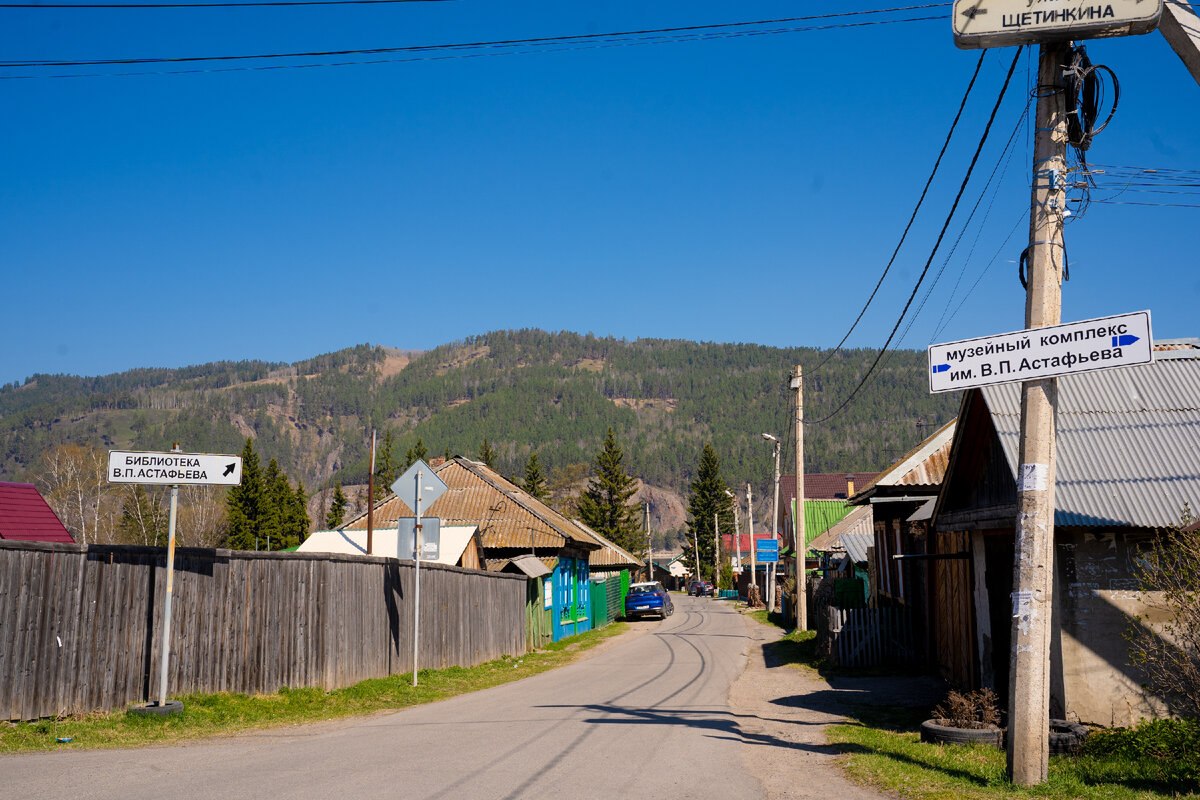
<point>513,393</point>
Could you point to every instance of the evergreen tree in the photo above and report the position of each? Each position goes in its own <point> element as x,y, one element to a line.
<point>244,501</point>
<point>337,508</point>
<point>605,506</point>
<point>535,479</point>
<point>277,507</point>
<point>487,455</point>
<point>416,453</point>
<point>298,521</point>
<point>707,502</point>
<point>446,455</point>
<point>386,468</point>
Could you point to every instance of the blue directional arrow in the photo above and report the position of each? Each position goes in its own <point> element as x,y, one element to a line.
<point>943,367</point>
<point>1124,339</point>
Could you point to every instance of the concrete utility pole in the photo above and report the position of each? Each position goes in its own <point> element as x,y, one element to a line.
<point>696,552</point>
<point>1033,569</point>
<point>1181,29</point>
<point>774,524</point>
<point>737,534</point>
<point>649,542</point>
<point>797,384</point>
<point>753,549</point>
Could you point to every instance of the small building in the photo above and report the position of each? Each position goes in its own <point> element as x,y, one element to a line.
<point>25,515</point>
<point>1128,443</point>
<point>514,530</point>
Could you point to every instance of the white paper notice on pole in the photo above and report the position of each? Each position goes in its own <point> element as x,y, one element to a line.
<point>184,469</point>
<point>1022,603</point>
<point>1123,340</point>
<point>1033,477</point>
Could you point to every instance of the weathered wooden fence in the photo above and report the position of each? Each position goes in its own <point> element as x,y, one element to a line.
<point>870,637</point>
<point>81,626</point>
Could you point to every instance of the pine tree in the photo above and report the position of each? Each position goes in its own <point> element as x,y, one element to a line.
<point>244,501</point>
<point>386,468</point>
<point>706,501</point>
<point>416,453</point>
<point>535,479</point>
<point>337,508</point>
<point>277,494</point>
<point>298,520</point>
<point>487,455</point>
<point>605,506</point>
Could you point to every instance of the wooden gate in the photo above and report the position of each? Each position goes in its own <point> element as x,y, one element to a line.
<point>871,637</point>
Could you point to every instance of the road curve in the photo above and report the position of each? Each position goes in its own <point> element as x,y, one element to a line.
<point>647,718</point>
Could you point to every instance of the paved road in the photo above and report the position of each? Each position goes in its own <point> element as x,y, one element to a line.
<point>648,718</point>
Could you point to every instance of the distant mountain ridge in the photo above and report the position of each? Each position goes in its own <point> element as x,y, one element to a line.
<point>526,390</point>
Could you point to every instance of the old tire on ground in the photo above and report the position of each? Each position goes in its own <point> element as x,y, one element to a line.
<point>1066,736</point>
<point>156,710</point>
<point>934,732</point>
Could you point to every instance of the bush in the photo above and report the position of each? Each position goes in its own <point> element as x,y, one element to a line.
<point>1170,747</point>
<point>975,709</point>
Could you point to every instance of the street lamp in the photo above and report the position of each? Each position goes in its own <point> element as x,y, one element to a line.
<point>774,523</point>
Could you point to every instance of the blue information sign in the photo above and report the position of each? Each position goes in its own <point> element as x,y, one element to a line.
<point>768,551</point>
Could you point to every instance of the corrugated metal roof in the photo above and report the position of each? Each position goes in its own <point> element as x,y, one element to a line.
<point>856,545</point>
<point>924,465</point>
<point>860,520</point>
<point>507,516</point>
<point>821,515</point>
<point>823,485</point>
<point>1128,442</point>
<point>611,555</point>
<point>25,515</point>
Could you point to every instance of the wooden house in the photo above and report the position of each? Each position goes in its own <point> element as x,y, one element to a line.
<point>1128,446</point>
<point>515,532</point>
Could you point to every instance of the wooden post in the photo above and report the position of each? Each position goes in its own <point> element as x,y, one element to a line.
<point>1033,568</point>
<point>371,497</point>
<point>797,385</point>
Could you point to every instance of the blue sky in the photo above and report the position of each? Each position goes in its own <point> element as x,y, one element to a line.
<point>743,189</point>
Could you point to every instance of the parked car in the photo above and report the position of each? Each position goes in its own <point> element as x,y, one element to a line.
<point>646,599</point>
<point>701,589</point>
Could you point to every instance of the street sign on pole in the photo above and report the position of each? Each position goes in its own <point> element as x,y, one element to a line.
<point>174,469</point>
<point>431,486</point>
<point>768,551</point>
<point>1091,344</point>
<point>431,536</point>
<point>998,23</point>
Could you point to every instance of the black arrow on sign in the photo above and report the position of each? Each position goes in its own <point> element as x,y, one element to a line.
<point>229,470</point>
<point>973,11</point>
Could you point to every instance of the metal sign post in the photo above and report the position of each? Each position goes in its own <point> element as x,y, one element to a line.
<point>417,484</point>
<point>171,469</point>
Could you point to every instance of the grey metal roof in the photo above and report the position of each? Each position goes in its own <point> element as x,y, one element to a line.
<point>856,545</point>
<point>1128,442</point>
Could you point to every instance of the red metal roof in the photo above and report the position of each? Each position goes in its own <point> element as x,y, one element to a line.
<point>25,515</point>
<point>822,485</point>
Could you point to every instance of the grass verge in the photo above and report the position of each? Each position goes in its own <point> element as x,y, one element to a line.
<point>885,750</point>
<point>221,714</point>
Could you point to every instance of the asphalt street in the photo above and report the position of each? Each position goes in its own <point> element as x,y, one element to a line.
<point>647,718</point>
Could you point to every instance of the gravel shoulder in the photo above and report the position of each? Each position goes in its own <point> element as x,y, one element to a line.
<point>782,713</point>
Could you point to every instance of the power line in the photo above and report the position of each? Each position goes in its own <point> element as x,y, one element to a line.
<point>958,197</point>
<point>541,40</point>
<point>920,201</point>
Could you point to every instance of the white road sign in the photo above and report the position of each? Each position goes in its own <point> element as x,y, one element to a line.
<point>996,23</point>
<point>1091,344</point>
<point>174,468</point>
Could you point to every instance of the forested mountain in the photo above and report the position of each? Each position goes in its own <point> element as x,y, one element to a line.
<point>528,390</point>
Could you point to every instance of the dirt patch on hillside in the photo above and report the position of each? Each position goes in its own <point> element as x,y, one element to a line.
<point>638,404</point>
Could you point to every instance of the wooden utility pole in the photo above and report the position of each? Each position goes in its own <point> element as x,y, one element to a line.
<point>649,542</point>
<point>716,549</point>
<point>797,385</point>
<point>1033,568</point>
<point>371,497</point>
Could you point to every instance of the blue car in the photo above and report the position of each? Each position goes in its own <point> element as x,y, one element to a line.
<point>648,599</point>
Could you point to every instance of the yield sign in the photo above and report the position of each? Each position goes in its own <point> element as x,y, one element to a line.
<point>429,489</point>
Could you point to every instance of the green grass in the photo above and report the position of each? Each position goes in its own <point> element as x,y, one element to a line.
<point>885,750</point>
<point>207,715</point>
